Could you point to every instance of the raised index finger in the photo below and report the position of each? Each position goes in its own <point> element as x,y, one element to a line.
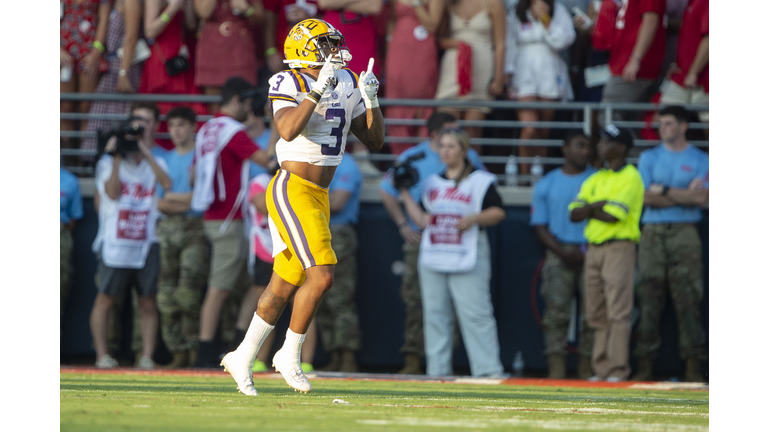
<point>370,65</point>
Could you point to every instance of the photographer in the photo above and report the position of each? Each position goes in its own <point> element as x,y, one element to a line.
<point>455,259</point>
<point>126,246</point>
<point>415,164</point>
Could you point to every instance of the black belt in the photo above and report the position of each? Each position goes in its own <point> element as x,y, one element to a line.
<point>609,241</point>
<point>669,225</point>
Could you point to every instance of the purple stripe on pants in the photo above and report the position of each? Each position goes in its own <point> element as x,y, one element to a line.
<point>296,221</point>
<point>280,213</point>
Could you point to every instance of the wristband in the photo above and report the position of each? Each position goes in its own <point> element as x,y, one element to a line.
<point>249,12</point>
<point>270,51</point>
<point>315,96</point>
<point>372,103</point>
<point>165,18</point>
<point>474,217</point>
<point>665,190</point>
<point>545,19</point>
<point>99,46</point>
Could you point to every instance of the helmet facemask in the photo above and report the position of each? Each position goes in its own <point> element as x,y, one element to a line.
<point>321,45</point>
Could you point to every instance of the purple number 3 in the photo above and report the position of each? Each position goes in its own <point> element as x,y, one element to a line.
<point>280,79</point>
<point>338,132</point>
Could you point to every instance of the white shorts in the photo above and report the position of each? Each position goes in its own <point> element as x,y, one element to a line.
<point>675,94</point>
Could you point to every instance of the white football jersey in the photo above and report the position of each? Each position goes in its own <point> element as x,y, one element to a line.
<point>322,142</point>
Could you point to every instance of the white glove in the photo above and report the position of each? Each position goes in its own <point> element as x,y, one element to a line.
<point>370,86</point>
<point>326,78</point>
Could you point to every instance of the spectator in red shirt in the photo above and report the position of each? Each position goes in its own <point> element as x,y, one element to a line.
<point>279,17</point>
<point>690,73</point>
<point>357,21</point>
<point>222,152</point>
<point>637,51</point>
<point>227,43</point>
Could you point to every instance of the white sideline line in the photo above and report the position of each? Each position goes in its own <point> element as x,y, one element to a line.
<point>545,424</point>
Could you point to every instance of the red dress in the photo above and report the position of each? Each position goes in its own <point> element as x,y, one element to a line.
<point>227,48</point>
<point>359,32</point>
<point>411,42</point>
<point>155,78</point>
<point>77,31</point>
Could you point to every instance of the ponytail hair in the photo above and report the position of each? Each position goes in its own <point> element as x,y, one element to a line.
<point>463,139</point>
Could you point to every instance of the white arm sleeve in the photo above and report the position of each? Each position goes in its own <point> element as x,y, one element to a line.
<point>561,33</point>
<point>103,173</point>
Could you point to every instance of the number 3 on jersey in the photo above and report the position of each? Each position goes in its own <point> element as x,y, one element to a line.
<point>338,132</point>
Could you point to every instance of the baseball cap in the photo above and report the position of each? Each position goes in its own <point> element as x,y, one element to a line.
<point>620,135</point>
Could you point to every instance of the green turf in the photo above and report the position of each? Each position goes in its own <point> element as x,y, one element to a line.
<point>171,403</point>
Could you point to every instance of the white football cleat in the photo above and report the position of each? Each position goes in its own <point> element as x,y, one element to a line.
<point>292,373</point>
<point>241,372</point>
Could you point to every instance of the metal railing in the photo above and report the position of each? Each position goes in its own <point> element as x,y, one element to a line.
<point>583,113</point>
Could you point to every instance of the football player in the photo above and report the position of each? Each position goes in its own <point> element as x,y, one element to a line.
<point>316,104</point>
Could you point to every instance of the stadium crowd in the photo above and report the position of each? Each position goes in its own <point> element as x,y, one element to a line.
<point>198,275</point>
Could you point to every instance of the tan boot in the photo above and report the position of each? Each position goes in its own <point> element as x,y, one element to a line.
<point>180,360</point>
<point>412,365</point>
<point>335,363</point>
<point>556,366</point>
<point>693,370</point>
<point>348,362</point>
<point>585,367</point>
<point>644,369</point>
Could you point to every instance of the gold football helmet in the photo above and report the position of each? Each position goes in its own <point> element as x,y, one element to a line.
<point>310,41</point>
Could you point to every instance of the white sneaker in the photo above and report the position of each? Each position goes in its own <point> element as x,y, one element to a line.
<point>292,373</point>
<point>145,363</point>
<point>613,379</point>
<point>107,362</point>
<point>593,378</point>
<point>241,372</point>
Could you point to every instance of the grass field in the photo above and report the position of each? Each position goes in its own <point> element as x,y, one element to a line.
<point>134,401</point>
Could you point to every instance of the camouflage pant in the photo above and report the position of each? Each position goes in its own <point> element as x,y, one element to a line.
<point>560,283</point>
<point>410,292</point>
<point>231,308</point>
<point>184,266</point>
<point>337,318</point>
<point>670,256</point>
<point>65,265</point>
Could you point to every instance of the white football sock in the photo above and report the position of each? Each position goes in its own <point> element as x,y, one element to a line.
<point>292,345</point>
<point>257,332</point>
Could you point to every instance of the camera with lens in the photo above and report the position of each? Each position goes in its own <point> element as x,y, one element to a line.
<point>404,175</point>
<point>127,135</point>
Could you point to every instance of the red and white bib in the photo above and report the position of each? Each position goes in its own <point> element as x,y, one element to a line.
<point>444,247</point>
<point>127,224</point>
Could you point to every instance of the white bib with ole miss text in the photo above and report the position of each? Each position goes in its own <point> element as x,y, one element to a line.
<point>127,224</point>
<point>444,247</point>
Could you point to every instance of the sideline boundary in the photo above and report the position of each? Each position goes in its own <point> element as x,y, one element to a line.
<point>521,382</point>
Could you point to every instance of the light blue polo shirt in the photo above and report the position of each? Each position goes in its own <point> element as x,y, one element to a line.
<point>659,165</point>
<point>347,178</point>
<point>70,199</point>
<point>178,171</point>
<point>549,206</point>
<point>430,164</point>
